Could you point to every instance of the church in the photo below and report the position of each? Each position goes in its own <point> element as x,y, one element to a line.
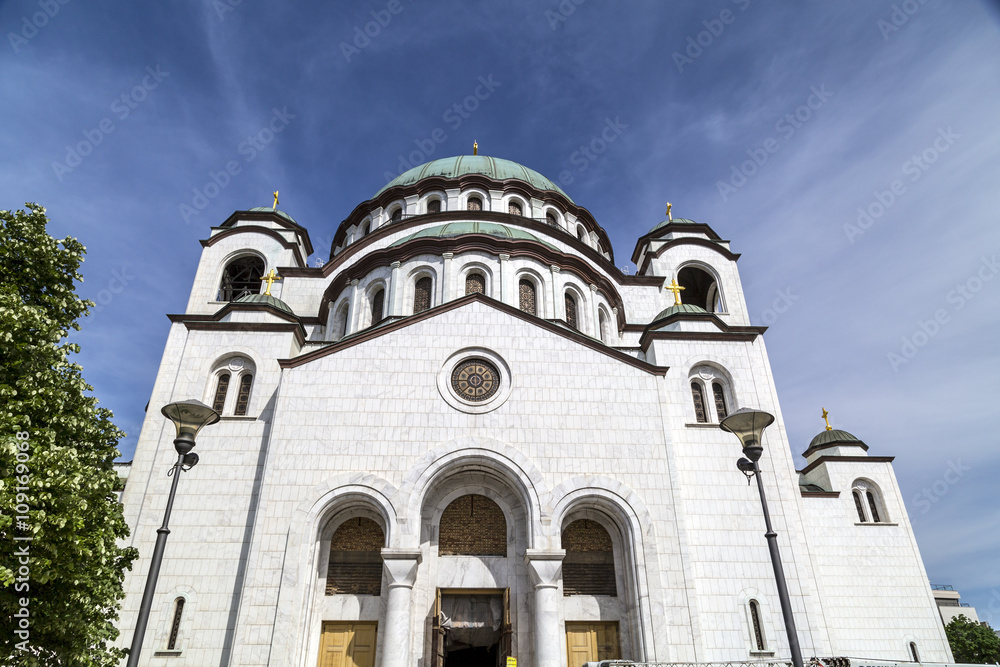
<point>469,437</point>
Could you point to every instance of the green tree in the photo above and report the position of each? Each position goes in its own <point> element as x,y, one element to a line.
<point>972,642</point>
<point>56,453</point>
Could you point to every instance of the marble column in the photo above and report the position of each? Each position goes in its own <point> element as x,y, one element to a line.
<point>558,305</point>
<point>595,316</point>
<point>446,280</point>
<point>353,309</point>
<point>401,571</point>
<point>504,292</point>
<point>545,568</point>
<point>394,291</point>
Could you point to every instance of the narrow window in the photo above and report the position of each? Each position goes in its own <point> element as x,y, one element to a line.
<point>758,633</point>
<point>474,204</point>
<point>699,403</point>
<point>241,276</point>
<point>175,627</point>
<point>526,296</point>
<point>243,398</point>
<point>571,311</point>
<point>434,206</point>
<point>378,306</point>
<point>475,283</point>
<point>874,508</point>
<point>603,322</point>
<point>859,506</point>
<point>514,208</point>
<point>720,401</point>
<point>396,216</point>
<point>219,402</point>
<point>366,229</point>
<point>580,234</point>
<point>551,219</point>
<point>422,295</point>
<point>913,652</point>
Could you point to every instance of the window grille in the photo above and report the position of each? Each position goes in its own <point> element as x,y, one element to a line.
<point>396,216</point>
<point>571,311</point>
<point>474,204</point>
<point>220,393</point>
<point>551,219</point>
<point>758,633</point>
<point>700,413</point>
<point>422,295</point>
<point>243,398</point>
<point>873,507</point>
<point>860,507</point>
<point>175,626</point>
<point>720,401</point>
<point>475,283</point>
<point>434,206</point>
<point>378,306</point>
<point>589,565</point>
<point>514,208</point>
<point>526,296</point>
<point>242,276</point>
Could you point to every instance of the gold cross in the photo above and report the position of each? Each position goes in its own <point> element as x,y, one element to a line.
<point>825,414</point>
<point>275,201</point>
<point>272,277</point>
<point>475,148</point>
<point>669,215</point>
<point>676,289</point>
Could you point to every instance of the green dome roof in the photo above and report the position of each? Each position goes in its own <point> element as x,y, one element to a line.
<point>683,308</point>
<point>473,227</point>
<point>267,300</point>
<point>268,209</point>
<point>494,167</point>
<point>683,221</point>
<point>834,436</point>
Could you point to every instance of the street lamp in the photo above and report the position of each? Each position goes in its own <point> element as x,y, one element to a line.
<point>748,425</point>
<point>189,417</point>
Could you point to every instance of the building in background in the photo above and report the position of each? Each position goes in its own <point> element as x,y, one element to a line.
<point>950,604</point>
<point>469,436</point>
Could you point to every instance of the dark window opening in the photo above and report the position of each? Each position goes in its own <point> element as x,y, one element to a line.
<point>242,276</point>
<point>219,402</point>
<point>526,296</point>
<point>434,206</point>
<point>720,401</point>
<point>913,652</point>
<point>571,311</point>
<point>422,295</point>
<point>873,507</point>
<point>551,219</point>
<point>475,283</point>
<point>514,208</point>
<point>700,413</point>
<point>589,565</point>
<point>758,634</point>
<point>175,626</point>
<point>699,288</point>
<point>243,398</point>
<point>474,204</point>
<point>356,559</point>
<point>859,506</point>
<point>396,216</point>
<point>378,306</point>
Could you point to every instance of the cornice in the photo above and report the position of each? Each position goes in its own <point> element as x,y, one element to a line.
<point>272,217</point>
<point>292,323</point>
<point>674,227</point>
<point>375,332</point>
<point>829,445</point>
<point>819,494</point>
<point>846,459</point>
<point>725,333</point>
<point>683,240</point>
<point>256,229</point>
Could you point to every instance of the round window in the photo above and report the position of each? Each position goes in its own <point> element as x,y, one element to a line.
<point>475,380</point>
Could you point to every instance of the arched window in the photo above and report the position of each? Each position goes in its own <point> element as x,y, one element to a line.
<point>378,306</point>
<point>243,397</point>
<point>175,625</point>
<point>602,321</point>
<point>589,565</point>
<point>397,215</point>
<point>241,276</point>
<point>859,506</point>
<point>550,218</point>
<point>514,208</point>
<point>720,401</point>
<point>434,206</point>
<point>913,652</point>
<point>581,234</point>
<point>340,321</point>
<point>366,228</point>
<point>422,295</point>
<point>475,283</point>
<point>356,558</point>
<point>758,628</point>
<point>873,507</point>
<point>474,204</point>
<point>221,388</point>
<point>571,311</point>
<point>526,296</point>
<point>700,288</point>
<point>472,525</point>
<point>700,413</point>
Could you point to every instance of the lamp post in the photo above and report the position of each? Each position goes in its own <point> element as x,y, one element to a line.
<point>188,417</point>
<point>748,425</point>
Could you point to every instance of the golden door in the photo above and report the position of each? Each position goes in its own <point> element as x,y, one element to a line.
<point>347,645</point>
<point>590,642</point>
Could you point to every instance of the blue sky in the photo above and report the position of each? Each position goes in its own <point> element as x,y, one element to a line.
<point>866,215</point>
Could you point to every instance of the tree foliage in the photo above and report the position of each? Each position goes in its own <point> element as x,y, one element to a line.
<point>56,453</point>
<point>972,642</point>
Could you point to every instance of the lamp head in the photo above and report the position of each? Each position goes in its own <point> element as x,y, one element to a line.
<point>189,417</point>
<point>748,425</point>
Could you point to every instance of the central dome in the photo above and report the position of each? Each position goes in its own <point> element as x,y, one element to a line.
<point>460,165</point>
<point>460,228</point>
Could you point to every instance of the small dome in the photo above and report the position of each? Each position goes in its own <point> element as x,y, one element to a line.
<point>265,299</point>
<point>682,221</point>
<point>834,436</point>
<point>268,209</point>
<point>473,227</point>
<point>460,165</point>
<point>683,308</point>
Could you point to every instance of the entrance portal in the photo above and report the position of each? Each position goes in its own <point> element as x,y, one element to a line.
<point>471,628</point>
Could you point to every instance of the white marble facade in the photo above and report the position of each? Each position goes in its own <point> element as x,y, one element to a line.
<point>349,419</point>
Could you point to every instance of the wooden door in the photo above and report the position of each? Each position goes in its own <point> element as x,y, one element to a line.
<point>591,642</point>
<point>347,644</point>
